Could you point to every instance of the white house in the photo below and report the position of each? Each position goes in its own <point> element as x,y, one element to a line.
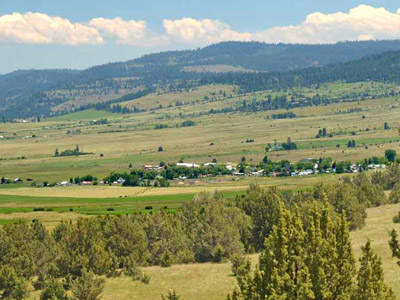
<point>187,165</point>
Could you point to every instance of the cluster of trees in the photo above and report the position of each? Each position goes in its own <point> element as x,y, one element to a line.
<point>139,177</point>
<point>286,115</point>
<point>321,133</point>
<point>351,144</point>
<point>289,145</point>
<point>207,228</point>
<point>99,122</point>
<point>70,152</point>
<point>285,167</point>
<point>187,123</point>
<point>80,179</point>
<point>311,258</point>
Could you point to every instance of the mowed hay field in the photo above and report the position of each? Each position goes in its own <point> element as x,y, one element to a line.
<point>215,281</point>
<point>27,149</point>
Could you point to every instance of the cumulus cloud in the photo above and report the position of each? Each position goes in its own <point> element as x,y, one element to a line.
<point>126,32</point>
<point>202,31</point>
<point>360,23</point>
<point>38,28</point>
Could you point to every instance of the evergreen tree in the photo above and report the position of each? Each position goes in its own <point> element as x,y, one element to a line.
<point>321,253</point>
<point>345,261</point>
<point>282,273</point>
<point>13,286</point>
<point>87,286</point>
<point>370,278</point>
<point>53,290</point>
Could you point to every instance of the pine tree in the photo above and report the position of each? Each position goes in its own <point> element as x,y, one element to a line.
<point>320,245</point>
<point>12,285</point>
<point>282,273</point>
<point>370,278</point>
<point>53,290</point>
<point>87,286</point>
<point>345,261</point>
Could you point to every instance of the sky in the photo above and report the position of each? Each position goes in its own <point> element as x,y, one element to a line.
<point>81,33</point>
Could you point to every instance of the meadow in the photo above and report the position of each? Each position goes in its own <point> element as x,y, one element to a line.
<point>27,149</point>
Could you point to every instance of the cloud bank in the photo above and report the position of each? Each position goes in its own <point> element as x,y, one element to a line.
<point>360,23</point>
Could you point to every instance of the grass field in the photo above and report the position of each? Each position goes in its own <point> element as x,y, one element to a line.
<point>86,115</point>
<point>63,203</point>
<point>133,139</point>
<point>26,149</point>
<point>214,281</point>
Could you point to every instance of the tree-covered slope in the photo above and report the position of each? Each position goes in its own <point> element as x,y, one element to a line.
<point>33,93</point>
<point>383,67</point>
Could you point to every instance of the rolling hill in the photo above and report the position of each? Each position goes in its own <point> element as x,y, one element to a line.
<point>251,65</point>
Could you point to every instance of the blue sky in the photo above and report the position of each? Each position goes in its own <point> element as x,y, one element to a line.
<point>94,32</point>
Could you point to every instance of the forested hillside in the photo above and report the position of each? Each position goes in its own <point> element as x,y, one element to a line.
<point>383,67</point>
<point>256,66</point>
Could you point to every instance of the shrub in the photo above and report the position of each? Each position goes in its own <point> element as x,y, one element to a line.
<point>172,295</point>
<point>166,259</point>
<point>53,290</point>
<point>145,278</point>
<point>87,286</point>
<point>396,218</point>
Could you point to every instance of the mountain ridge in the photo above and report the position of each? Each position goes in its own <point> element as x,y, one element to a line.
<point>33,93</point>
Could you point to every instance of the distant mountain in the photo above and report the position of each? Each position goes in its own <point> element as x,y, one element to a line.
<point>32,93</point>
<point>270,57</point>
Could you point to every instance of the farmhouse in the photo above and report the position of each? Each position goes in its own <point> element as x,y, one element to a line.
<point>150,168</point>
<point>187,165</point>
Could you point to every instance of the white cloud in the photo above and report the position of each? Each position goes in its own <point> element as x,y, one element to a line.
<point>126,32</point>
<point>202,31</point>
<point>360,23</point>
<point>38,28</point>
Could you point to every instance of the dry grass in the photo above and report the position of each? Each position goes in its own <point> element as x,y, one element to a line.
<point>379,222</point>
<point>132,139</point>
<point>191,187</point>
<point>214,281</point>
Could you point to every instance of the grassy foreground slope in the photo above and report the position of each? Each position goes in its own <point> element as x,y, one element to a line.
<point>214,281</point>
